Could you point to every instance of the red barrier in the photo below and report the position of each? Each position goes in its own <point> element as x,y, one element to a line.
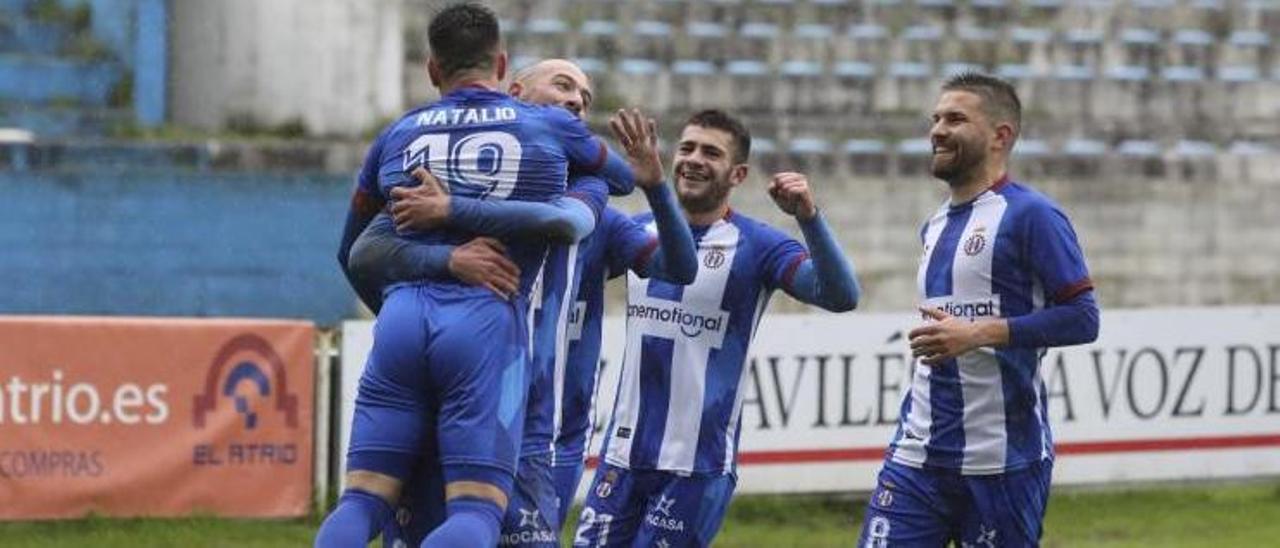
<point>155,417</point>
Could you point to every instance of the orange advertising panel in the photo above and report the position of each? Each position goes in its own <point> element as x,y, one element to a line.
<point>155,417</point>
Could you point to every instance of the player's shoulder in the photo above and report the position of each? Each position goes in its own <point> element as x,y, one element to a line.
<point>1024,200</point>
<point>755,230</point>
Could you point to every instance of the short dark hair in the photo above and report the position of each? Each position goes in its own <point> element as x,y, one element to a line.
<point>721,120</point>
<point>999,99</point>
<point>463,36</point>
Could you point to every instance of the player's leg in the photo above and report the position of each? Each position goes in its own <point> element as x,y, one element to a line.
<point>686,511</point>
<point>909,507</point>
<point>421,507</point>
<point>566,475</point>
<point>1007,509</point>
<point>575,427</point>
<point>387,431</point>
<point>480,371</point>
<point>611,514</point>
<point>531,518</point>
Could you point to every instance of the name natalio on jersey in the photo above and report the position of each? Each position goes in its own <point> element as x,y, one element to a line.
<point>465,116</point>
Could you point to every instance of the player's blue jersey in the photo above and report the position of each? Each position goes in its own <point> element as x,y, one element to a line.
<point>618,242</point>
<point>488,145</point>
<point>679,397</point>
<point>553,303</point>
<point>1007,253</point>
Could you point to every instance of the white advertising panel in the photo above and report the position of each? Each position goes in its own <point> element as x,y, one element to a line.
<point>1175,393</point>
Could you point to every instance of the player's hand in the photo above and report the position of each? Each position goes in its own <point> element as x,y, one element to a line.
<point>791,192</point>
<point>638,136</point>
<point>420,208</point>
<point>946,336</point>
<point>483,262</point>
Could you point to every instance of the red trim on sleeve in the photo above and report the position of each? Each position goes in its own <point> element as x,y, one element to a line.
<point>790,273</point>
<point>643,256</point>
<point>601,158</point>
<point>1071,291</point>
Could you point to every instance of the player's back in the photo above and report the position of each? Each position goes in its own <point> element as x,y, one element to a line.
<point>487,145</point>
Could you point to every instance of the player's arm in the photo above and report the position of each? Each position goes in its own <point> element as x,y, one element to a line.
<point>380,257</point>
<point>366,202</point>
<point>1070,318</point>
<point>822,275</point>
<point>566,219</point>
<point>674,259</point>
<point>588,154</point>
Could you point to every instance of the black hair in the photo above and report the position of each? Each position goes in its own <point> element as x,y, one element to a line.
<point>463,36</point>
<point>721,120</point>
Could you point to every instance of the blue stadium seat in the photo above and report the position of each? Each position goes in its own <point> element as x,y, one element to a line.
<point>591,65</point>
<point>1128,73</point>
<point>1083,36</point>
<point>915,147</point>
<point>867,31</point>
<point>864,146</point>
<point>693,67</point>
<point>909,70</point>
<point>855,69</point>
<point>953,69</point>
<point>545,26</point>
<point>968,33</point>
<point>1182,73</point>
<point>1015,71</point>
<point>763,145</point>
<point>1043,4</point>
<point>1141,37</point>
<point>812,31</point>
<point>1192,37</point>
<point>706,29</point>
<point>1030,148</point>
<point>1030,35</point>
<point>1249,38</point>
<point>1138,148</point>
<point>1208,4</point>
<point>1190,149</point>
<point>759,31</point>
<point>746,67</point>
<point>1153,4</point>
<point>801,69</point>
<point>597,27</point>
<point>651,29</point>
<point>1084,147</point>
<point>1079,73</point>
<point>989,4</point>
<point>641,67</point>
<point>809,145</point>
<point>935,3</point>
<point>1240,74</point>
<point>1249,148</point>
<point>922,33</point>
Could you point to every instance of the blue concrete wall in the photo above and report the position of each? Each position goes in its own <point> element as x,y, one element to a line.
<point>173,243</point>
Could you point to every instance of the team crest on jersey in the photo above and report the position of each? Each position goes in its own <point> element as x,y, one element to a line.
<point>975,244</point>
<point>605,487</point>
<point>713,259</point>
<point>884,498</point>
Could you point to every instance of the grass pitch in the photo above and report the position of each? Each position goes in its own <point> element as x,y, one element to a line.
<point>1182,515</point>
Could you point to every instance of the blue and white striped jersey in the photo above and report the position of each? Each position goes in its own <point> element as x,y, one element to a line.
<point>679,399</point>
<point>617,244</point>
<point>1007,253</point>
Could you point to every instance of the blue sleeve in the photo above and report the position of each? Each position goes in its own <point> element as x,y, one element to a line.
<point>366,202</point>
<point>676,259</point>
<point>1072,322</point>
<point>826,277</point>
<point>628,245</point>
<point>1053,253</point>
<point>588,155</point>
<point>563,220</point>
<point>379,257</point>
<point>590,190</point>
